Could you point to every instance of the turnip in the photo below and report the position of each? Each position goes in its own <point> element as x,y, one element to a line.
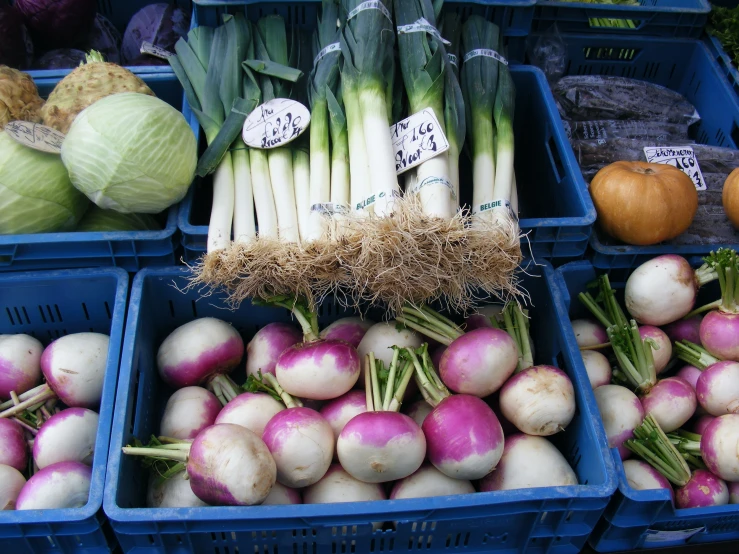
<point>588,333</point>
<point>718,388</point>
<point>267,345</point>
<point>529,462</point>
<point>74,368</point>
<point>475,363</point>
<point>11,484</point>
<point>690,374</point>
<point>226,464</point>
<point>338,486</point>
<point>348,329</point>
<point>68,436</point>
<point>60,485</point>
<point>418,411</point>
<point>188,411</point>
<point>494,402</point>
<point>597,367</point>
<point>641,476</point>
<point>464,438</point>
<point>734,493</point>
<point>685,329</point>
<point>699,425</point>
<point>252,410</point>
<point>20,364</point>
<point>174,491</point>
<point>429,481</point>
<point>282,495</point>
<point>671,402</point>
<point>539,401</point>
<point>719,446</point>
<point>201,352</point>
<point>381,444</point>
<point>380,340</point>
<point>703,490</point>
<point>621,413</point>
<point>662,352</point>
<point>13,445</point>
<point>484,317</point>
<point>315,369</point>
<point>340,411</point>
<point>436,354</point>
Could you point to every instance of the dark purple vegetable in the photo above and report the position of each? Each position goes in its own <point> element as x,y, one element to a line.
<point>57,23</point>
<point>104,38</point>
<point>160,24</point>
<point>61,58</point>
<point>16,49</point>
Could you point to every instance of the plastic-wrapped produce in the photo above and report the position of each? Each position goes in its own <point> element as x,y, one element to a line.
<point>591,97</point>
<point>106,39</point>
<point>160,24</point>
<point>61,58</point>
<point>608,129</point>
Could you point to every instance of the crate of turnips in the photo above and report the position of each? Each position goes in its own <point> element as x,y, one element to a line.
<point>661,351</point>
<point>254,428</point>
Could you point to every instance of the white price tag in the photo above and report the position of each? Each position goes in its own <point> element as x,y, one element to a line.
<point>682,157</point>
<point>36,136</point>
<point>655,536</point>
<point>417,139</point>
<point>275,123</point>
<point>153,50</point>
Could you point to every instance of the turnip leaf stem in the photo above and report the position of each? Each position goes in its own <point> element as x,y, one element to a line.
<point>428,381</point>
<point>592,305</point>
<point>651,444</point>
<point>694,355</point>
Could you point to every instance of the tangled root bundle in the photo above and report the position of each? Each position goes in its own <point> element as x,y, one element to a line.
<point>404,257</point>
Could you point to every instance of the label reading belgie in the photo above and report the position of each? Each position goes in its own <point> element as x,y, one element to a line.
<point>275,123</point>
<point>416,139</point>
<point>36,136</point>
<point>681,157</point>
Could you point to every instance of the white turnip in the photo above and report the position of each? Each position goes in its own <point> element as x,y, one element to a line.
<point>252,410</point>
<point>338,486</point>
<point>267,344</point>
<point>20,364</point>
<point>68,436</point>
<point>60,485</point>
<point>172,492</point>
<point>703,490</point>
<point>718,388</point>
<point>672,402</point>
<point>661,348</point>
<point>340,411</point>
<point>282,495</point>
<point>418,411</point>
<point>588,333</point>
<point>719,447</point>
<point>429,481</point>
<point>641,476</point>
<point>13,445</point>
<point>348,329</point>
<point>621,413</point>
<point>11,484</point>
<point>188,411</point>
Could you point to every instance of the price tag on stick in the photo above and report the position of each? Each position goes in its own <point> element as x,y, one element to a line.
<point>36,136</point>
<point>275,123</point>
<point>682,157</point>
<point>416,139</point>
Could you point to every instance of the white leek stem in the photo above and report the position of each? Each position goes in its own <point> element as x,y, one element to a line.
<point>483,171</point>
<point>244,225</point>
<point>435,192</point>
<point>283,187</point>
<point>221,215</point>
<point>503,179</point>
<point>514,195</point>
<point>340,181</point>
<point>301,180</point>
<point>358,160</point>
<point>453,154</point>
<point>263,197</point>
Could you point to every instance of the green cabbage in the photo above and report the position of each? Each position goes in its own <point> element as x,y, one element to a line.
<point>131,153</point>
<point>98,219</point>
<point>36,195</point>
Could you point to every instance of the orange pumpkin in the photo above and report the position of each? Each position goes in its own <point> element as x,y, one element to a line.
<point>730,197</point>
<point>641,203</point>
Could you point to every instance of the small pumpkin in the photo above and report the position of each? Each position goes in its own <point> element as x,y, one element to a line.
<point>730,197</point>
<point>641,203</point>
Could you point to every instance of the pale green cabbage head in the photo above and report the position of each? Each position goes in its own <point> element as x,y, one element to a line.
<point>131,153</point>
<point>36,195</point>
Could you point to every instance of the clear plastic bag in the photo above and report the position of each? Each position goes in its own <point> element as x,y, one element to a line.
<point>604,130</point>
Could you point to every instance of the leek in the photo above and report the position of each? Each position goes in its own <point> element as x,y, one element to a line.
<point>367,48</point>
<point>340,179</point>
<point>505,99</point>
<point>423,62</point>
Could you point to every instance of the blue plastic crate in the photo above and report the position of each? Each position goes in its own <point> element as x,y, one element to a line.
<point>665,18</point>
<point>556,210</point>
<point>685,66</point>
<point>633,517</point>
<point>544,520</point>
<point>49,305</point>
<point>724,61</point>
<point>119,12</point>
<point>131,250</point>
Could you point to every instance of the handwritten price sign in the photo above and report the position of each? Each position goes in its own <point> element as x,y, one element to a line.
<point>417,139</point>
<point>36,136</point>
<point>275,123</point>
<point>682,157</point>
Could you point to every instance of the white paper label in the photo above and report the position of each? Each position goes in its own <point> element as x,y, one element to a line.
<point>370,5</point>
<point>452,59</point>
<point>418,185</point>
<point>494,205</point>
<point>153,50</point>
<point>275,123</point>
<point>654,535</point>
<point>416,139</point>
<point>36,136</point>
<point>330,208</point>
<point>486,53</point>
<point>373,198</point>
<point>682,157</point>
<point>334,47</point>
<point>422,26</point>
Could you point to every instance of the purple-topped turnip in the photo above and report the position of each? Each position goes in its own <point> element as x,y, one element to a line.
<point>621,413</point>
<point>429,481</point>
<point>226,464</point>
<point>418,411</point>
<point>188,411</point>
<point>20,364</point>
<point>464,438</point>
<point>589,333</point>
<point>699,425</point>
<point>597,367</point>
<point>719,446</point>
<point>174,491</point>
<point>381,444</point>
<point>11,484</point>
<point>340,411</point>
<point>348,329</point>
<point>475,363</point>
<point>717,385</point>
<point>539,401</point>
<point>689,374</point>
<point>252,410</point>
<point>671,401</point>
<point>734,493</point>
<point>661,346</point>
<point>641,476</point>
<point>201,352</point>
<point>703,489</point>
<point>380,340</point>
<point>267,344</point>
<point>60,485</point>
<point>13,445</point>
<point>529,462</point>
<point>685,329</point>
<point>68,436</point>
<point>282,495</point>
<point>339,486</point>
